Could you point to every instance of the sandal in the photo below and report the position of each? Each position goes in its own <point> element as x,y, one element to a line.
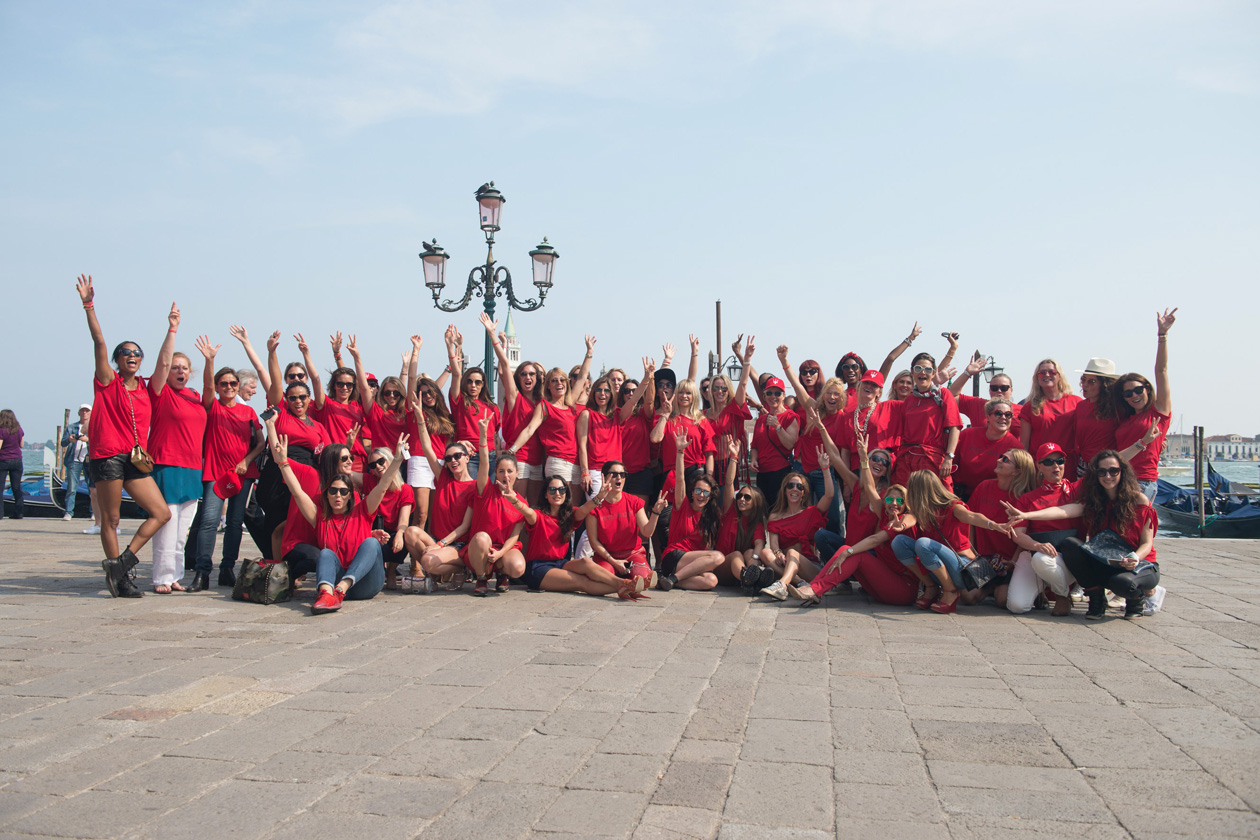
<point>928,598</point>
<point>810,600</point>
<point>945,608</point>
<point>162,588</point>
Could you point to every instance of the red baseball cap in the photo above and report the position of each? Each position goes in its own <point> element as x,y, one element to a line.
<point>773,382</point>
<point>873,376</point>
<point>228,485</point>
<point>1048,449</point>
<point>371,377</point>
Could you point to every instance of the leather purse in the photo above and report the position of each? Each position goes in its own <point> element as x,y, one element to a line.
<point>140,459</point>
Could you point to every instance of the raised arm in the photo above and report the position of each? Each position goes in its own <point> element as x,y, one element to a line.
<point>280,454</point>
<point>952,338</point>
<point>312,375</point>
<point>166,353</point>
<point>870,491</point>
<point>360,375</point>
<point>334,341</point>
<point>829,485</point>
<point>583,431</point>
<point>571,395</point>
<point>455,356</point>
<point>530,515</point>
<point>104,373</point>
<point>413,364</point>
<point>1163,393</point>
<point>728,486</point>
<point>208,352</point>
<point>895,353</point>
<point>373,500</point>
<point>595,501</point>
<point>507,382</point>
<point>680,469</point>
<point>535,421</point>
<point>264,376</point>
<point>973,368</point>
<point>647,524</point>
<point>422,426</point>
<point>693,366</point>
<point>275,391</point>
<point>636,396</point>
<point>662,417</point>
<point>483,455</point>
<point>745,358</point>
<point>801,394</point>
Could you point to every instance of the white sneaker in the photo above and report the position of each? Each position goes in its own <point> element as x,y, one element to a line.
<point>1154,602</point>
<point>1077,594</point>
<point>67,517</point>
<point>95,529</point>
<point>777,590</point>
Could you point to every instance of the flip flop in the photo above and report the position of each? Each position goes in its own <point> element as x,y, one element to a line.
<point>162,588</point>
<point>178,587</point>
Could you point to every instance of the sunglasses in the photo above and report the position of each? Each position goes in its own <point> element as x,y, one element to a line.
<point>128,352</point>
<point>603,390</point>
<point>617,476</point>
<point>298,397</point>
<point>392,393</point>
<point>1007,414</point>
<point>882,460</point>
<point>775,393</point>
<point>794,485</point>
<point>338,491</point>
<point>1004,459</point>
<point>1050,373</point>
<point>1136,390</point>
<point>1053,462</point>
<point>455,456</point>
<point>851,366</point>
<point>379,462</point>
<point>924,369</point>
<point>229,383</point>
<point>345,459</point>
<point>719,389</point>
<point>810,371</point>
<point>341,383</point>
<point>1001,389</point>
<point>372,382</point>
<point>894,500</point>
<point>743,497</point>
<point>1108,472</point>
<point>701,492</point>
<point>475,381</point>
<point>295,377</point>
<point>558,490</point>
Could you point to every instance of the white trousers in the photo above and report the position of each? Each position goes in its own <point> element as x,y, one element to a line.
<point>1032,572</point>
<point>168,544</point>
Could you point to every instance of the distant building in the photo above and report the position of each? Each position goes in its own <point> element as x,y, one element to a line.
<point>513,346</point>
<point>1232,448</point>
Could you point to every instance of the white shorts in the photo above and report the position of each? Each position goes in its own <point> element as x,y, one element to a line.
<point>597,481</point>
<point>583,547</point>
<point>419,474</point>
<point>560,468</point>
<point>529,471</point>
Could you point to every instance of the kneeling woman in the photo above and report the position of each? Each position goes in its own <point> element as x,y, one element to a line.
<point>792,525</point>
<point>496,523</point>
<point>1110,499</point>
<point>350,562</point>
<point>551,543</point>
<point>943,516</point>
<point>690,556</point>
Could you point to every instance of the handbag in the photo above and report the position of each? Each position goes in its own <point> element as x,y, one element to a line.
<point>140,459</point>
<point>263,582</point>
<point>1107,547</point>
<point>980,572</point>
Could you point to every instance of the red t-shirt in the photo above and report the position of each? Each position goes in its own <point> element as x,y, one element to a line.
<point>684,529</point>
<point>557,433</point>
<point>296,529</point>
<point>337,419</point>
<point>881,424</point>
<point>924,423</point>
<point>728,531</point>
<point>112,433</point>
<point>1143,516</point>
<point>636,443</point>
<point>1050,495</point>
<point>987,499</point>
<point>976,456</point>
<point>617,524</point>
<point>1146,463</point>
<point>229,437</point>
<point>312,435</point>
<point>437,441</point>
<point>1091,434</point>
<point>467,418</point>
<point>860,521</point>
<point>546,542</point>
<point>391,504</point>
<point>494,514</point>
<point>699,442</point>
<point>797,531</point>
<point>344,534</point>
<point>949,530</point>
<point>973,409</point>
<point>1055,424</point>
<point>178,429</point>
<point>450,502</point>
<point>809,442</point>
<point>729,424</point>
<point>603,439</point>
<point>384,428</point>
<point>771,453</point>
<point>514,422</point>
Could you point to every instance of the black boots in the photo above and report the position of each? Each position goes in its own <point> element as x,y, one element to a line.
<point>119,576</point>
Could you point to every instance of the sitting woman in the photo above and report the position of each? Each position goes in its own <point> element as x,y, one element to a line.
<point>616,530</point>
<point>1110,498</point>
<point>690,556</point>
<point>439,545</point>
<point>394,513</point>
<point>350,564</point>
<point>742,532</point>
<point>1015,474</point>
<point>1039,564</point>
<point>792,524</point>
<point>550,544</point>
<point>943,545</point>
<point>496,523</point>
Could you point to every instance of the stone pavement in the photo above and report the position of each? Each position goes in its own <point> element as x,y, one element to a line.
<point>552,716</point>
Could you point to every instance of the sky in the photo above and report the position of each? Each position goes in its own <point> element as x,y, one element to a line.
<point>1039,176</point>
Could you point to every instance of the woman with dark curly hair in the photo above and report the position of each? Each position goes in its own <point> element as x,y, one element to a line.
<point>690,554</point>
<point>1146,412</point>
<point>1095,418</point>
<point>1110,499</point>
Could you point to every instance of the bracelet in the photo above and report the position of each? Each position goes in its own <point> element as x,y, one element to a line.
<point>89,305</point>
<point>1163,338</point>
<point>1138,443</point>
<point>282,466</point>
<point>441,543</point>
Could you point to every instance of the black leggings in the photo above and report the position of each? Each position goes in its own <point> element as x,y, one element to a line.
<point>301,559</point>
<point>1092,573</point>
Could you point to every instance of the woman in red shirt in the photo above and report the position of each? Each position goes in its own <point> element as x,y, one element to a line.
<point>636,437</point>
<point>973,408</point>
<point>306,438</point>
<point>1146,412</point>
<point>930,425</point>
<point>496,523</point>
<point>521,392</point>
<point>774,437</point>
<point>980,445</point>
<point>1048,415</point>
<point>1039,565</point>
<point>943,546</point>
<point>429,411</point>
<point>437,548</point>
<point>600,425</point>
<point>902,386</point>
<point>1014,475</point>
<point>690,556</point>
<point>742,534</point>
<point>468,399</point>
<point>385,415</point>
<point>792,524</point>
<point>728,412</point>
<point>350,565</point>
<point>175,443</point>
<point>1110,498</point>
<point>340,410</point>
<point>394,514</point>
<point>120,422</point>
<point>819,413</point>
<point>616,529</point>
<point>1094,420</point>
<point>233,441</point>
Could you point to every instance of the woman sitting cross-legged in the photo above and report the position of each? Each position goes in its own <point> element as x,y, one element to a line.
<point>792,524</point>
<point>690,556</point>
<point>350,563</point>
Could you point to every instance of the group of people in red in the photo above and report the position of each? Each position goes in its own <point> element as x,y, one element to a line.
<point>785,484</point>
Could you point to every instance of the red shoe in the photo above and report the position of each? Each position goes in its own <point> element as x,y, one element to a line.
<point>481,587</point>
<point>329,600</point>
<point>502,583</point>
<point>928,598</point>
<point>944,608</point>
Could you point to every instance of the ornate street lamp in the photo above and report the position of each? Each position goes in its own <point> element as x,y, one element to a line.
<point>487,280</point>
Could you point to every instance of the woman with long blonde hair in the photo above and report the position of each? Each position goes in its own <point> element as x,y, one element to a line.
<point>1049,413</point>
<point>1014,475</point>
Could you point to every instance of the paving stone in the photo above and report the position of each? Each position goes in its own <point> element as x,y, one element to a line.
<point>174,775</point>
<point>493,809</point>
<point>328,825</point>
<point>593,813</point>
<point>394,796</point>
<point>487,724</point>
<point>543,759</point>
<point>989,743</point>
<point>614,772</point>
<point>95,814</point>
<point>670,822</point>
<point>694,784</point>
<point>314,768</point>
<point>778,795</point>
<point>879,768</point>
<point>233,809</point>
<point>645,733</point>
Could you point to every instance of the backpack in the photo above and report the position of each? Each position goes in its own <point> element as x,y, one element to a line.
<point>263,582</point>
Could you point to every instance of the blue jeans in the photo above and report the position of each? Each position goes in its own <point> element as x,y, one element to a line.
<point>474,462</point>
<point>75,473</point>
<point>835,520</point>
<point>366,571</point>
<point>211,509</point>
<point>13,469</point>
<point>931,554</point>
<point>827,543</point>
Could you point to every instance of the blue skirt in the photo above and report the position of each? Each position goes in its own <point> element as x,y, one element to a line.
<point>178,484</point>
